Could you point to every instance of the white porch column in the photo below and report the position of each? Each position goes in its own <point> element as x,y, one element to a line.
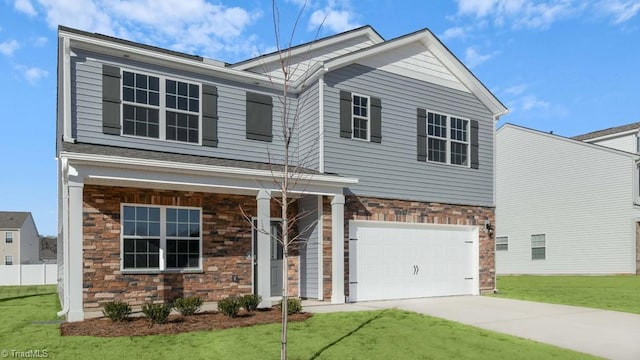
<point>74,261</point>
<point>337,249</point>
<point>264,247</point>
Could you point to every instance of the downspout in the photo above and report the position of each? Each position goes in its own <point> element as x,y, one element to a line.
<point>65,238</point>
<point>321,120</point>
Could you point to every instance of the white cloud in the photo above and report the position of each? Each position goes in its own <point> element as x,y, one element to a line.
<point>453,33</point>
<point>531,102</point>
<point>473,58</point>
<point>516,89</point>
<point>195,26</point>
<point>40,41</point>
<point>9,47</point>
<point>25,6</point>
<point>33,74</point>
<point>621,11</point>
<point>521,13</point>
<point>332,19</point>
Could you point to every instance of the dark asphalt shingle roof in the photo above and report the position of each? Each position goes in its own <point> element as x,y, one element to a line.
<point>609,131</point>
<point>13,219</point>
<point>94,149</point>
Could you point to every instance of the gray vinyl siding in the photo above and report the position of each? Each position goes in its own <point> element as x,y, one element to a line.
<point>308,128</point>
<point>309,247</point>
<point>232,142</point>
<point>390,169</point>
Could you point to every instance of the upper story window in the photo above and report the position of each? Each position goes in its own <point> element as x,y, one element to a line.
<point>447,139</point>
<point>161,238</point>
<point>361,122</point>
<point>8,237</point>
<point>160,108</point>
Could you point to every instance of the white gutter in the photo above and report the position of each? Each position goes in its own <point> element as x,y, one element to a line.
<point>321,123</point>
<point>66,91</point>
<point>65,239</point>
<point>180,167</point>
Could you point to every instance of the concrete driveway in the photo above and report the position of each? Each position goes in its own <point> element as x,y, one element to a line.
<point>609,334</point>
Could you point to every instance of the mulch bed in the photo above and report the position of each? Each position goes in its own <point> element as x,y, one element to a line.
<point>140,326</point>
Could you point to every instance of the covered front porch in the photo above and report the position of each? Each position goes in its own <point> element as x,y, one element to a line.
<point>234,211</point>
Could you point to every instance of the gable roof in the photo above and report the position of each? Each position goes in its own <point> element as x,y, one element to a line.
<point>366,30</point>
<point>609,131</point>
<point>440,51</point>
<point>507,126</point>
<point>13,219</point>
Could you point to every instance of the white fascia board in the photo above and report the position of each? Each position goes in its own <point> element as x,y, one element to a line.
<point>118,49</point>
<point>303,48</point>
<point>169,166</point>
<point>431,43</point>
<point>507,126</point>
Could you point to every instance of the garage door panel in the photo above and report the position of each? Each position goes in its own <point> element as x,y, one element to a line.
<point>395,261</point>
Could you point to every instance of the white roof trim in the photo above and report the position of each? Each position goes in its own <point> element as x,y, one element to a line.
<point>118,161</point>
<point>91,43</point>
<point>566,139</point>
<point>426,38</point>
<point>318,44</point>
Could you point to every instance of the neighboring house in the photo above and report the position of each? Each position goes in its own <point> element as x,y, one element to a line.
<point>565,206</point>
<point>625,137</point>
<point>160,153</point>
<point>19,240</point>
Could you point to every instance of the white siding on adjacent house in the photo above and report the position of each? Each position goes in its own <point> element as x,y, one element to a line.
<point>580,196</point>
<point>29,243</point>
<point>627,142</point>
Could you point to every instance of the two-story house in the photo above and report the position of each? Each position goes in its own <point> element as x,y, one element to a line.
<point>166,160</point>
<point>567,205</point>
<point>19,240</point>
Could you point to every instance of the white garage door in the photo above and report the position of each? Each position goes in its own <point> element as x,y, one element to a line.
<point>389,260</point>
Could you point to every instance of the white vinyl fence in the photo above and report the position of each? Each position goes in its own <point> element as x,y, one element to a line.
<point>32,274</point>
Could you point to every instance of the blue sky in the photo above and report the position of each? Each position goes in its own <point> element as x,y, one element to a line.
<point>565,66</point>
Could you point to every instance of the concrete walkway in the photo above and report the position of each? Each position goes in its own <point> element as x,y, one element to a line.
<point>609,334</point>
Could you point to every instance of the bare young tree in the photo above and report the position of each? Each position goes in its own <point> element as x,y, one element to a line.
<point>290,178</point>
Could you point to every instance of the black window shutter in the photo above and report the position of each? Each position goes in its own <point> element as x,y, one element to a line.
<point>259,117</point>
<point>376,120</point>
<point>209,115</point>
<point>345,114</point>
<point>475,162</point>
<point>422,134</point>
<point>110,100</point>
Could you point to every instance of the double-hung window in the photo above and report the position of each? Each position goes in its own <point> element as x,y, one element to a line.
<point>447,139</point>
<point>538,247</point>
<point>8,237</point>
<point>502,243</point>
<point>161,238</point>
<point>361,119</point>
<point>8,260</point>
<point>160,108</point>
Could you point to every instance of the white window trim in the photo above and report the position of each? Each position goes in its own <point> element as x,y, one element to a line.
<point>8,259</point>
<point>505,243</point>
<point>368,117</point>
<point>162,108</point>
<point>538,247</point>
<point>8,235</point>
<point>448,139</point>
<point>163,242</point>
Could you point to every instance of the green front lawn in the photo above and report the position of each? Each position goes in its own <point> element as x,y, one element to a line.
<point>389,334</point>
<point>616,292</point>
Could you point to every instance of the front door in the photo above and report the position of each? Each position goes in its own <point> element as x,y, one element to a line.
<point>276,258</point>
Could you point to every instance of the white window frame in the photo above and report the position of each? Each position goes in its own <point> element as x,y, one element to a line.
<point>448,139</point>
<point>8,260</point>
<point>163,241</point>
<point>539,247</point>
<point>504,242</point>
<point>8,237</point>
<point>368,117</point>
<point>162,108</point>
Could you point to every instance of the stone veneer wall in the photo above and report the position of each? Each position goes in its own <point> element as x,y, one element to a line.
<point>365,208</point>
<point>226,247</point>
